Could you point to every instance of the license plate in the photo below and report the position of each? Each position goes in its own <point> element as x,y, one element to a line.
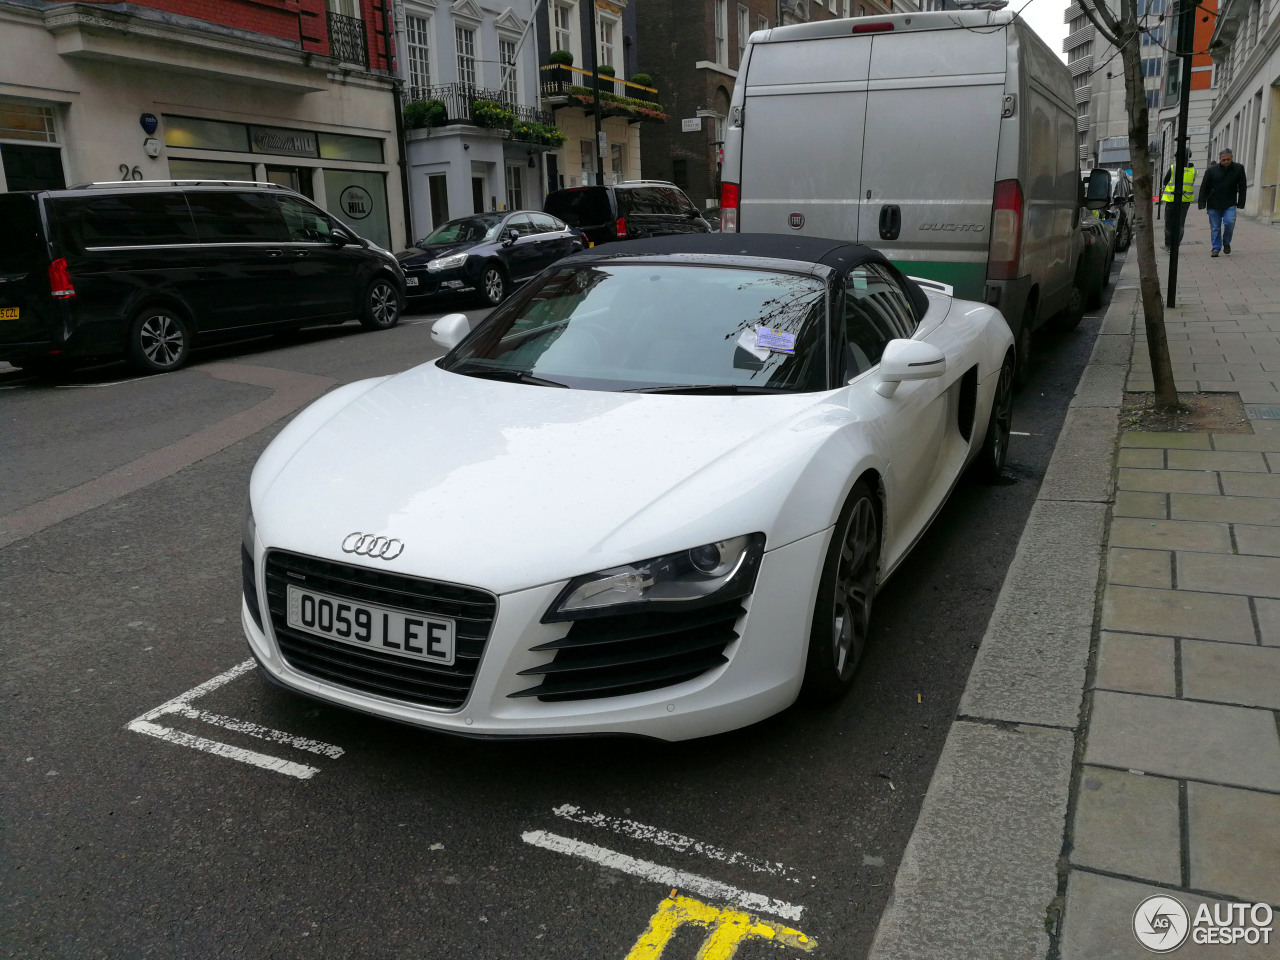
<point>413,635</point>
<point>8,313</point>
<point>411,281</point>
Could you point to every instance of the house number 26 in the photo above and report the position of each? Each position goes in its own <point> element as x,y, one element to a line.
<point>129,173</point>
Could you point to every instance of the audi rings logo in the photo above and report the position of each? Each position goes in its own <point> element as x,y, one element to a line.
<point>367,545</point>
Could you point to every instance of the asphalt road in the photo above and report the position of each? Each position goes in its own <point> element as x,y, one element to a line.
<point>198,832</point>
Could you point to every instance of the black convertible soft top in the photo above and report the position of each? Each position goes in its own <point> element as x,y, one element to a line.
<point>837,254</point>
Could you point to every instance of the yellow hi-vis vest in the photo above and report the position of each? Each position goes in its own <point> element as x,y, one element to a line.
<point>1188,188</point>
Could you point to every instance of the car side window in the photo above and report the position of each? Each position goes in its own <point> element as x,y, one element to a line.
<point>305,224</point>
<point>885,290</point>
<point>875,312</point>
<point>522,225</point>
<point>543,223</point>
<point>226,217</point>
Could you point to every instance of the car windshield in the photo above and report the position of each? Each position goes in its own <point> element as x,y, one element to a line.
<point>466,230</point>
<point>658,326</point>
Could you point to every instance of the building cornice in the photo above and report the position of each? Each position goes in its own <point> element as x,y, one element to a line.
<point>715,67</point>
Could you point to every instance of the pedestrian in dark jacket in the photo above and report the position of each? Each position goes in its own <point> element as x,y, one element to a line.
<point>1221,191</point>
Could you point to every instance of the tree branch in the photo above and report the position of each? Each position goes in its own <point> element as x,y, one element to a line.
<point>1102,18</point>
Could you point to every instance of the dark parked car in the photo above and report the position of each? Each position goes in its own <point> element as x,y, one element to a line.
<point>1115,187</point>
<point>1095,263</point>
<point>146,269</point>
<point>627,210</point>
<point>488,253</point>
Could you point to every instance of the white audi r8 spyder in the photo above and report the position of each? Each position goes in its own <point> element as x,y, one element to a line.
<point>654,492</point>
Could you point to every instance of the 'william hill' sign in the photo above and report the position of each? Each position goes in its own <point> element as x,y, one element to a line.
<point>286,143</point>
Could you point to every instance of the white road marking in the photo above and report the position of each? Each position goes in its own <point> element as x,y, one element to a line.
<point>1019,433</point>
<point>181,705</point>
<point>666,876</point>
<point>674,841</point>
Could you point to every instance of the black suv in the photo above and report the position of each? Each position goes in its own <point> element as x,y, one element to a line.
<point>1115,187</point>
<point>626,211</point>
<point>143,270</point>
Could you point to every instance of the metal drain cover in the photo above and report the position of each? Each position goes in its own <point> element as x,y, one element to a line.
<point>1262,413</point>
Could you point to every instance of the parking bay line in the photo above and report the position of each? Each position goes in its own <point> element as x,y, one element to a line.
<point>667,876</point>
<point>674,841</point>
<point>181,705</point>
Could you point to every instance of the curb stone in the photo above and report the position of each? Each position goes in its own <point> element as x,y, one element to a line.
<point>979,879</point>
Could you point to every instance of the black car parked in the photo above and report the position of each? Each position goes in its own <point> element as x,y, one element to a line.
<point>627,210</point>
<point>1115,187</point>
<point>146,269</point>
<point>488,253</point>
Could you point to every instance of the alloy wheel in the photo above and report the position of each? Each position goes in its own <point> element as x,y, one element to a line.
<point>161,340</point>
<point>854,587</point>
<point>1002,419</point>
<point>383,304</point>
<point>493,285</point>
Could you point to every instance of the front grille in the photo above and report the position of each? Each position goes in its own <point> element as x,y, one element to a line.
<point>371,671</point>
<point>631,653</point>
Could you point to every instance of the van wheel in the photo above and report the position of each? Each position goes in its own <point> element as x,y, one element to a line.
<point>1125,238</point>
<point>1022,352</point>
<point>1073,312</point>
<point>381,310</point>
<point>159,340</point>
<point>493,285</point>
<point>842,614</point>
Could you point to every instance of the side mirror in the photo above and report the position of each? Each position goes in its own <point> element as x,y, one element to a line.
<point>449,330</point>
<point>340,239</point>
<point>908,360</point>
<point>510,237</point>
<point>1091,204</point>
<point>1098,185</point>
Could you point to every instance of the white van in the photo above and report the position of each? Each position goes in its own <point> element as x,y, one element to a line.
<point>945,140</point>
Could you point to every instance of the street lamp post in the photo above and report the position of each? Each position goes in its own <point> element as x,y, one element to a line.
<point>595,93</point>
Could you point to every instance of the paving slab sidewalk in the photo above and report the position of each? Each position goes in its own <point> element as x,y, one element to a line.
<point>1119,736</point>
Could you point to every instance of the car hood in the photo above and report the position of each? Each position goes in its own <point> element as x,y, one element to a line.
<point>506,486</point>
<point>420,256</point>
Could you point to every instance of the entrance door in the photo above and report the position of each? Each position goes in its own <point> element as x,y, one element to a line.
<point>477,194</point>
<point>297,179</point>
<point>438,189</point>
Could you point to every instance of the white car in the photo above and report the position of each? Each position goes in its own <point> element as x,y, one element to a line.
<point>652,493</point>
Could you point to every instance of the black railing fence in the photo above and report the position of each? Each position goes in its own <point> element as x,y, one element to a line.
<point>347,39</point>
<point>458,99</point>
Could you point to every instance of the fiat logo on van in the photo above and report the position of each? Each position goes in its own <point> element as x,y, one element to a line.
<point>796,220</point>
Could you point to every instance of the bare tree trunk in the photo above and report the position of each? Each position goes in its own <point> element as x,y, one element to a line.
<point>1124,33</point>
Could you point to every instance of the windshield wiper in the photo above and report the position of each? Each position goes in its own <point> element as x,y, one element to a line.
<point>728,389</point>
<point>512,376</point>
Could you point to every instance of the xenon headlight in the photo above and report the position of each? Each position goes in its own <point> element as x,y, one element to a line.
<point>248,529</point>
<point>447,263</point>
<point>711,573</point>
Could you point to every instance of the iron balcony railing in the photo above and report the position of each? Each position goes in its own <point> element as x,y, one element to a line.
<point>557,79</point>
<point>347,40</point>
<point>460,98</point>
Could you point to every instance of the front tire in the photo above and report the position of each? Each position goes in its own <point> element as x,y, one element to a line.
<point>381,309</point>
<point>842,614</point>
<point>1072,313</point>
<point>159,340</point>
<point>493,284</point>
<point>1022,351</point>
<point>995,445</point>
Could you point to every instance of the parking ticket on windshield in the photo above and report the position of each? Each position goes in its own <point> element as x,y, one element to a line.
<point>775,340</point>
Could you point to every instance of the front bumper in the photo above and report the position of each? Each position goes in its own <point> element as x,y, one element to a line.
<point>434,282</point>
<point>762,676</point>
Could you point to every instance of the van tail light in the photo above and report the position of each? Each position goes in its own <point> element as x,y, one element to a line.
<point>1006,231</point>
<point>620,228</point>
<point>729,207</point>
<point>882,27</point>
<point>60,279</point>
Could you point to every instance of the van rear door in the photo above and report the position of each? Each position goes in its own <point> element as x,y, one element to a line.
<point>801,149</point>
<point>931,135</point>
<point>28,313</point>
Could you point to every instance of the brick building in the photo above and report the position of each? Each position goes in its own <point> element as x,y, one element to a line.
<point>692,50</point>
<point>297,92</point>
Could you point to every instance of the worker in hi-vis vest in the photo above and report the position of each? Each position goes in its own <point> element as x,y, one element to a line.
<point>1175,218</point>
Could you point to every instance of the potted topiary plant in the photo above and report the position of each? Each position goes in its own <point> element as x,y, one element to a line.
<point>558,60</point>
<point>425,113</point>
<point>643,79</point>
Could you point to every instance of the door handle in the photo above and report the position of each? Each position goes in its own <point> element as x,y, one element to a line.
<point>302,253</point>
<point>275,253</point>
<point>890,221</point>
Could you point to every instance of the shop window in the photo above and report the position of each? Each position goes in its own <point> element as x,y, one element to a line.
<point>206,134</point>
<point>182,169</point>
<point>360,199</point>
<point>336,146</point>
<point>28,167</point>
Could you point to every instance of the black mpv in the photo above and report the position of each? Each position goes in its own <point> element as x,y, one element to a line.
<point>146,269</point>
<point>627,211</point>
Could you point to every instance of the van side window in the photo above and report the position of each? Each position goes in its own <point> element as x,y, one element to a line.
<point>225,217</point>
<point>305,223</point>
<point>124,220</point>
<point>875,312</point>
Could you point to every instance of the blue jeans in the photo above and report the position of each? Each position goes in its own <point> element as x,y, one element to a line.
<point>1221,225</point>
